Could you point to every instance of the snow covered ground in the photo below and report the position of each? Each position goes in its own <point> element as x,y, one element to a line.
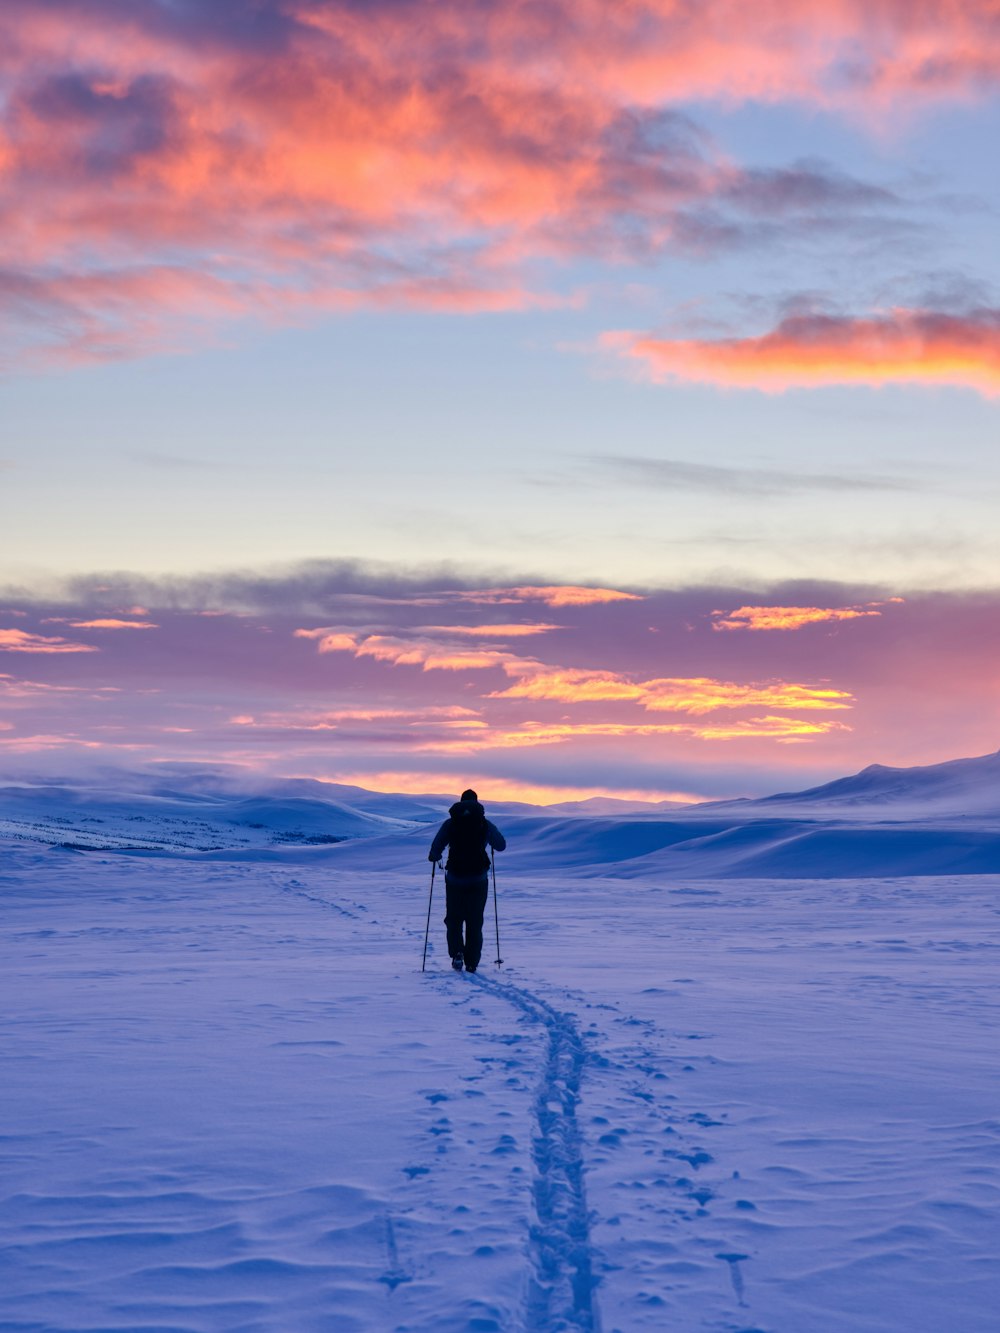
<point>721,1103</point>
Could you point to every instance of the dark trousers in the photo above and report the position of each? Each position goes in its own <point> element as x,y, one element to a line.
<point>466,902</point>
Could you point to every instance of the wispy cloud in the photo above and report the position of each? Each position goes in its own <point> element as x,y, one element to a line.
<point>337,718</point>
<point>427,653</point>
<point>555,596</point>
<point>484,738</point>
<point>12,688</point>
<point>787,617</point>
<point>678,695</point>
<point>678,475</point>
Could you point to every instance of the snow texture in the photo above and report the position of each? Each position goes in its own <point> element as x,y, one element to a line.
<point>712,1102</point>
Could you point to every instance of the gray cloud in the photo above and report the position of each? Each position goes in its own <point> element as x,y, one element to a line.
<point>675,474</point>
<point>807,186</point>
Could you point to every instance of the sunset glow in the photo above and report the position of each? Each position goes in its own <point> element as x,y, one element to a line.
<point>605,393</point>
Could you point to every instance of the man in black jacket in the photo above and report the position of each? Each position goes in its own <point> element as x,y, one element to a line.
<point>466,833</point>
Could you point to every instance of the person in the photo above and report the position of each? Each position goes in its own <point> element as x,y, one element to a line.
<point>466,833</point>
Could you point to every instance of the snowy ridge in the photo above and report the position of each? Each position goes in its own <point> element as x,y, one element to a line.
<point>941,819</point>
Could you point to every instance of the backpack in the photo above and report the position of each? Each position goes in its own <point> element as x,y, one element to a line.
<point>467,839</point>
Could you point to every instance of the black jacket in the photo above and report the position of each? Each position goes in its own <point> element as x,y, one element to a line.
<point>450,834</point>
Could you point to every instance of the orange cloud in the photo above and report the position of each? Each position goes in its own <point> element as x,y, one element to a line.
<point>695,695</point>
<point>785,617</point>
<point>785,730</point>
<point>922,347</point>
<point>20,641</point>
<point>704,695</point>
<point>538,681</point>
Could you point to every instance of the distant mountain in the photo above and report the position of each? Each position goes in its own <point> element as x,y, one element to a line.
<point>614,805</point>
<point>957,787</point>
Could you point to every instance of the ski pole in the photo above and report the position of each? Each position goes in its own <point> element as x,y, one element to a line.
<point>427,931</point>
<point>496,914</point>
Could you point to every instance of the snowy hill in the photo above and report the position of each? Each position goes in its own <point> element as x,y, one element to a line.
<point>101,819</point>
<point>955,788</point>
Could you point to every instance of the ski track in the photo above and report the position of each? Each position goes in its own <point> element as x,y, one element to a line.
<point>566,1262</point>
<point>560,1296</point>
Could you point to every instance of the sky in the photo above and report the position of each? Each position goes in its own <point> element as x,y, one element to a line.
<point>337,338</point>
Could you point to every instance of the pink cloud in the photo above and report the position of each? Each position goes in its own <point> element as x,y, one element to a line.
<point>277,171</point>
<point>20,641</point>
<point>490,631</point>
<point>112,624</point>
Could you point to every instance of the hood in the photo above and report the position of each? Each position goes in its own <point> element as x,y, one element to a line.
<point>464,808</point>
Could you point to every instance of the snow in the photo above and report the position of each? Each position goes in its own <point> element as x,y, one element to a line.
<point>710,1102</point>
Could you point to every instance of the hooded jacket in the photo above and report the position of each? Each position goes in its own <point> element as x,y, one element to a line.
<point>467,832</point>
